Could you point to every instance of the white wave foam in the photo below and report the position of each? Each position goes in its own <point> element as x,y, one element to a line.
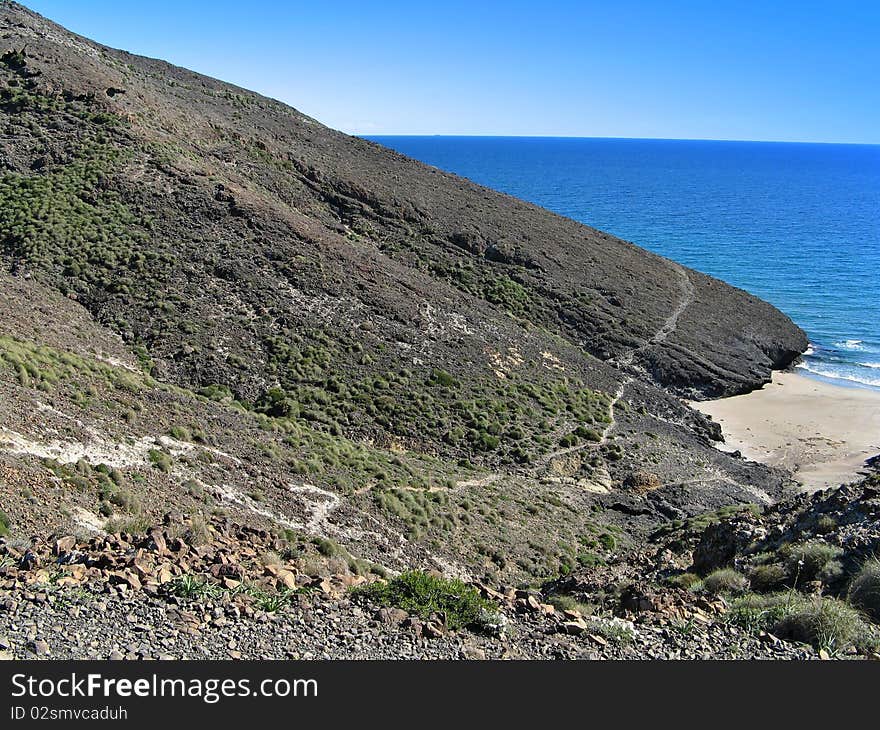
<point>810,350</point>
<point>836,375</point>
<point>870,364</point>
<point>850,345</point>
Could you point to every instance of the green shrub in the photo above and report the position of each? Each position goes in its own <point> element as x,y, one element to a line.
<point>329,548</point>
<point>424,594</point>
<point>131,526</point>
<point>564,602</point>
<point>813,560</point>
<point>216,392</point>
<point>726,580</point>
<point>180,433</point>
<point>124,499</point>
<point>769,577</point>
<point>442,378</point>
<point>756,613</point>
<point>823,622</point>
<point>160,460</point>
<point>509,294</point>
<point>684,580</point>
<point>864,591</point>
<point>193,587</point>
<point>589,559</point>
<point>199,532</point>
<point>4,524</point>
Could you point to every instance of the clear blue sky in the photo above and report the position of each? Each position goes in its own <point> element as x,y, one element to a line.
<point>770,70</point>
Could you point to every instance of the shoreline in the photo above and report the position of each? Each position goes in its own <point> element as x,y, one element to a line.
<point>822,433</point>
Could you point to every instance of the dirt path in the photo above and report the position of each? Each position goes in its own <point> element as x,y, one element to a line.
<point>603,437</point>
<point>669,325</point>
<point>761,497</point>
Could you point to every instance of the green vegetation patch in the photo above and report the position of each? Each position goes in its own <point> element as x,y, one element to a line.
<point>864,591</point>
<point>43,367</point>
<point>509,294</point>
<point>72,221</point>
<point>726,580</point>
<point>812,560</point>
<point>821,621</point>
<point>424,594</point>
<point>200,588</point>
<point>481,416</point>
<point>68,218</point>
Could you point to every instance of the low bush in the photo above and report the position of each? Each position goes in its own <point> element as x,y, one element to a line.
<point>813,560</point>
<point>864,591</point>
<point>424,594</point>
<point>4,524</point>
<point>826,623</point>
<point>131,526</point>
<point>564,602</point>
<point>198,533</point>
<point>768,577</point>
<point>160,460</point>
<point>687,581</point>
<point>180,433</point>
<point>726,580</point>
<point>823,622</point>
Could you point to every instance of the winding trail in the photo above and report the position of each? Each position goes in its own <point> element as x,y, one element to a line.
<point>669,325</point>
<point>603,437</point>
<point>625,361</point>
<point>761,497</point>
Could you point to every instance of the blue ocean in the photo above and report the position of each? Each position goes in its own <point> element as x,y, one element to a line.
<point>795,224</point>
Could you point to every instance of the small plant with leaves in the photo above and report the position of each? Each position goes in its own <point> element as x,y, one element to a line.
<point>194,588</point>
<point>424,594</point>
<point>612,629</point>
<point>272,601</point>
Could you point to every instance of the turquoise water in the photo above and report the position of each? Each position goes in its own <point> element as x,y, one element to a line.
<point>795,224</point>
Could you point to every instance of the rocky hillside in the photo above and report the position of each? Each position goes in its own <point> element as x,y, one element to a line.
<point>797,580</point>
<point>213,305</point>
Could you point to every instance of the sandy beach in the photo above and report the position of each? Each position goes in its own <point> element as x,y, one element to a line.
<point>823,433</point>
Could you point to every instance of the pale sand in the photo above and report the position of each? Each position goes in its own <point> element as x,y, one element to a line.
<point>822,433</point>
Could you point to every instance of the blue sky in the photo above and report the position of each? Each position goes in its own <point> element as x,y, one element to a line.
<point>771,70</point>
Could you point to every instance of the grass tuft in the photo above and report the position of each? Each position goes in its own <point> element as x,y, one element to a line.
<point>864,591</point>
<point>424,594</point>
<point>821,621</point>
<point>726,580</point>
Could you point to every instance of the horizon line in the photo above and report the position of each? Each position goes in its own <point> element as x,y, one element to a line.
<point>632,139</point>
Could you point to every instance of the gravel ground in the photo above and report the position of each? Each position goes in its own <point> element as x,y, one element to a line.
<point>77,624</point>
